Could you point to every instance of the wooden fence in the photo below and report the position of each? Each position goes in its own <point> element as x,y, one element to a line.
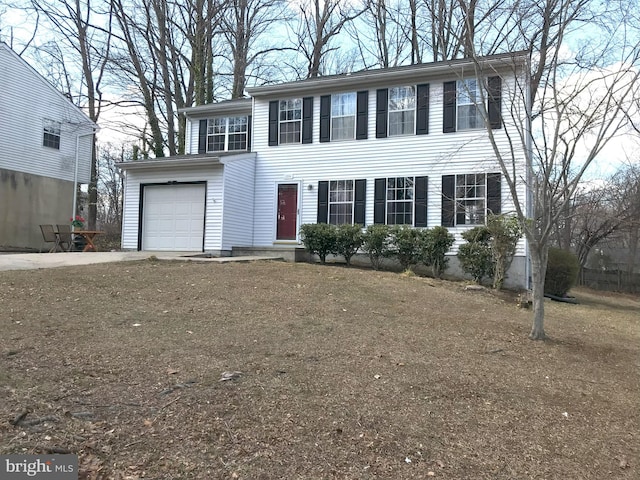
<point>610,280</point>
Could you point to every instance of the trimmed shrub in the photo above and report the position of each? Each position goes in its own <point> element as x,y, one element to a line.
<point>319,239</point>
<point>562,272</point>
<point>434,245</point>
<point>475,256</point>
<point>348,241</point>
<point>404,245</point>
<point>376,243</point>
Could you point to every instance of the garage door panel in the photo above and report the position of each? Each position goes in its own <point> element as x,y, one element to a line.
<point>173,217</point>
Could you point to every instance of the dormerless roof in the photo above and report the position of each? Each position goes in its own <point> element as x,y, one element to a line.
<point>466,66</point>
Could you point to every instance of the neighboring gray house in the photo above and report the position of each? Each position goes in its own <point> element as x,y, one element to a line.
<point>45,140</point>
<point>399,146</point>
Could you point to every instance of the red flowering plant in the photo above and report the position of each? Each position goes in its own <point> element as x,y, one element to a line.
<point>77,222</point>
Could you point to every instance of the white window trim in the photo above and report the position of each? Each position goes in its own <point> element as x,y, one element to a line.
<point>352,202</point>
<point>414,110</point>
<point>280,122</point>
<point>51,128</point>
<point>459,200</point>
<point>227,133</point>
<point>413,200</point>
<point>461,86</point>
<point>354,116</point>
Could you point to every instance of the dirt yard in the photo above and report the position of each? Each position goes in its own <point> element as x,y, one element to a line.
<point>332,373</point>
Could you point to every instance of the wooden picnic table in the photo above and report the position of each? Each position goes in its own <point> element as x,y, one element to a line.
<point>88,235</point>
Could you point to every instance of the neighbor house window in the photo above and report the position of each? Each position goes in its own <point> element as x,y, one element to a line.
<point>341,196</point>
<point>51,137</point>
<point>469,97</point>
<point>402,110</point>
<point>343,116</point>
<point>227,134</point>
<point>400,195</point>
<point>290,120</point>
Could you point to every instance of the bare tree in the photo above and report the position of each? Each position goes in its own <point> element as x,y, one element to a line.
<point>320,23</point>
<point>562,114</point>
<point>380,34</point>
<point>85,28</point>
<point>111,185</point>
<point>244,24</point>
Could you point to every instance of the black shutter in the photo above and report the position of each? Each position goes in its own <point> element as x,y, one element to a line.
<point>202,137</point>
<point>323,202</point>
<point>249,133</point>
<point>422,120</point>
<point>494,194</point>
<point>362,115</point>
<point>382,103</point>
<point>325,118</point>
<point>307,120</point>
<point>420,200</point>
<point>379,200</point>
<point>360,201</point>
<point>448,200</point>
<point>273,122</point>
<point>495,102</point>
<point>449,107</point>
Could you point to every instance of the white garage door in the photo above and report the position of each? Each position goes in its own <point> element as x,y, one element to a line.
<point>173,218</point>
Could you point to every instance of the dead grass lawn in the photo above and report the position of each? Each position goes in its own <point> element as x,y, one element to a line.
<point>346,374</point>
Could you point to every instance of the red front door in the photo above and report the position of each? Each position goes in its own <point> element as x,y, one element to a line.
<point>286,225</point>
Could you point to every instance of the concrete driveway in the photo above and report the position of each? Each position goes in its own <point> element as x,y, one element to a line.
<point>30,261</point>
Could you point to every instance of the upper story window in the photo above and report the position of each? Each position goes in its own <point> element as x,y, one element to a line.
<point>462,104</point>
<point>402,110</point>
<point>227,134</point>
<point>343,116</point>
<point>51,136</point>
<point>290,120</point>
<point>469,98</point>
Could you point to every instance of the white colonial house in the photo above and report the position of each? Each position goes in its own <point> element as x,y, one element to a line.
<point>405,145</point>
<point>46,148</point>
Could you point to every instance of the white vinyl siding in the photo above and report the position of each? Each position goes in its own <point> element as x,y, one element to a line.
<point>430,155</point>
<point>238,199</point>
<point>27,100</point>
<point>214,180</point>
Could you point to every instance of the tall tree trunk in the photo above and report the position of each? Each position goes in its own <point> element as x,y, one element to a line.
<point>538,257</point>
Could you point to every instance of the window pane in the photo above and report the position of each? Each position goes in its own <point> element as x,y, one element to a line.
<point>238,141</point>
<point>290,132</point>
<point>400,213</point>
<point>340,202</point>
<point>471,198</point>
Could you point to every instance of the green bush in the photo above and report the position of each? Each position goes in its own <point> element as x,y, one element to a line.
<point>562,272</point>
<point>404,245</point>
<point>376,244</point>
<point>434,245</point>
<point>348,240</point>
<point>319,239</point>
<point>475,256</point>
<point>505,232</point>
